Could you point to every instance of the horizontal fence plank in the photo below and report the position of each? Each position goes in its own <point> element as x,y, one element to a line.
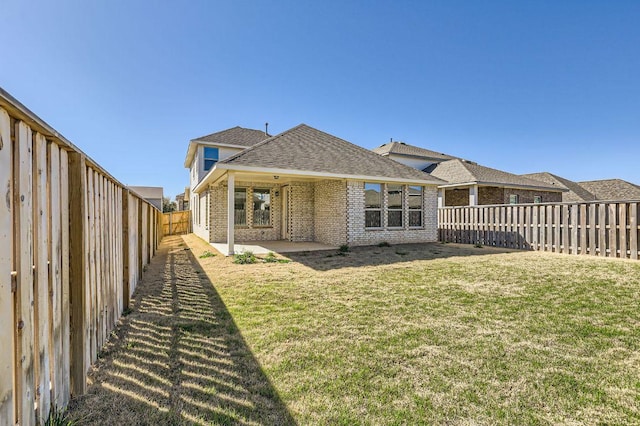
<point>608,229</point>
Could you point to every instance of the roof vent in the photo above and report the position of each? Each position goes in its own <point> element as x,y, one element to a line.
<point>266,129</point>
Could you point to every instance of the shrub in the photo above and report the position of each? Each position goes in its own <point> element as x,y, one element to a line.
<point>206,254</point>
<point>271,258</point>
<point>384,244</point>
<point>344,248</point>
<point>244,258</point>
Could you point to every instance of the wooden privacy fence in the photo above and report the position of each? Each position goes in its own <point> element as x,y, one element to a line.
<point>176,223</point>
<point>596,228</point>
<point>73,243</point>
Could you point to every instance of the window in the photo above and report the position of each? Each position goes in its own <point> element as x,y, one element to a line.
<point>537,199</point>
<point>372,205</point>
<point>513,199</point>
<point>261,207</point>
<point>415,206</point>
<point>240,208</point>
<point>210,157</point>
<point>394,206</point>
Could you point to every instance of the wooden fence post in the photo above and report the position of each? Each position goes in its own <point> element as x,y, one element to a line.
<point>6,266</point>
<point>78,249</point>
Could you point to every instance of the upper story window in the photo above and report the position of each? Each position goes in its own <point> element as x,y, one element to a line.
<point>513,199</point>
<point>537,199</point>
<point>210,157</point>
<point>372,205</point>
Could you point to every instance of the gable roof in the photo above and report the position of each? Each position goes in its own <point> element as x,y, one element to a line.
<point>575,192</point>
<point>612,189</point>
<point>304,150</point>
<point>235,137</point>
<point>460,172</point>
<point>401,148</point>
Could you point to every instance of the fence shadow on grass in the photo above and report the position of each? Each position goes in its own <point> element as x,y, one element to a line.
<point>178,358</point>
<point>388,255</point>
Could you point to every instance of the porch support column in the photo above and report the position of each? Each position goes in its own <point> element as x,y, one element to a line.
<point>473,195</point>
<point>441,199</point>
<point>231,217</point>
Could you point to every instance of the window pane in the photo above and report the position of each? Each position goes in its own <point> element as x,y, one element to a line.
<point>261,207</point>
<point>395,197</point>
<point>513,199</point>
<point>394,218</point>
<point>210,157</point>
<point>208,164</point>
<point>415,197</point>
<point>240,201</point>
<point>415,218</point>
<point>372,219</point>
<point>372,196</point>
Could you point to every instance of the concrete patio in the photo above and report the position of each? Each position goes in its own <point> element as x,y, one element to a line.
<point>278,246</point>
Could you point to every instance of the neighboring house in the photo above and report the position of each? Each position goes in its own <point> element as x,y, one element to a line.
<point>412,156</point>
<point>467,183</point>
<point>306,185</point>
<point>182,200</point>
<point>153,194</point>
<point>575,192</point>
<point>472,184</point>
<point>612,189</point>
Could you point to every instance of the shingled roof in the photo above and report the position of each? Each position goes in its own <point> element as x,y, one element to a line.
<point>612,189</point>
<point>306,149</point>
<point>463,172</point>
<point>575,192</point>
<point>401,148</point>
<point>235,136</point>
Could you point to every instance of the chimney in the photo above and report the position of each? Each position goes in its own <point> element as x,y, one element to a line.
<point>266,129</point>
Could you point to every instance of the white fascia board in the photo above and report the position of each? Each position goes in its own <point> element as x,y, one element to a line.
<point>307,173</point>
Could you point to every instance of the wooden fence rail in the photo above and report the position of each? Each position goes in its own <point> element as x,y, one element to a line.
<point>73,242</point>
<point>608,229</point>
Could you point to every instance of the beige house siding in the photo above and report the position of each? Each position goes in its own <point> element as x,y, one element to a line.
<point>357,235</point>
<point>330,218</point>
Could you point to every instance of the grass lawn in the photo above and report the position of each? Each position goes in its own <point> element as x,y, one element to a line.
<point>415,334</point>
<point>442,334</point>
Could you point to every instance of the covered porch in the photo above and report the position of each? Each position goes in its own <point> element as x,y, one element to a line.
<point>275,211</point>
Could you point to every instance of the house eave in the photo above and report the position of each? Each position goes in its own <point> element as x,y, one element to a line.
<point>219,169</point>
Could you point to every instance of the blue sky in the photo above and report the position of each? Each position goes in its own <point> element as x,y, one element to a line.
<point>522,86</point>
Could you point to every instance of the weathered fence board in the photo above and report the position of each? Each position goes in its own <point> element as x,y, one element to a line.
<point>176,223</point>
<point>63,274</point>
<point>6,266</point>
<point>607,229</point>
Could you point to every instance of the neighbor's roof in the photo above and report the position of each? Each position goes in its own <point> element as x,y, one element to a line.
<point>459,172</point>
<point>612,189</point>
<point>576,193</point>
<point>235,136</point>
<point>304,150</point>
<point>401,148</point>
<point>148,192</point>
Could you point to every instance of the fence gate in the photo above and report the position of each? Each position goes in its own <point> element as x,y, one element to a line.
<point>177,223</point>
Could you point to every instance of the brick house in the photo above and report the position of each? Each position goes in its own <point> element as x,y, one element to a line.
<point>305,185</point>
<point>468,183</point>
